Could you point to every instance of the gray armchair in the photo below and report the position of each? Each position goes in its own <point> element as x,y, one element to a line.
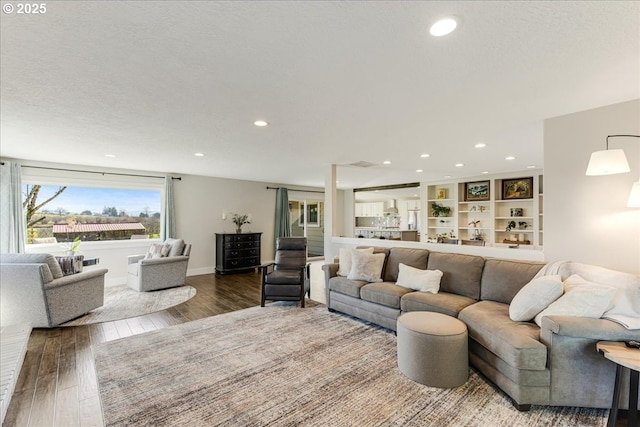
<point>152,274</point>
<point>286,279</point>
<point>33,290</point>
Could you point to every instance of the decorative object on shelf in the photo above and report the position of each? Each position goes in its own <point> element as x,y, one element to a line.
<point>510,226</point>
<point>440,210</point>
<point>519,188</point>
<point>474,223</point>
<point>476,191</point>
<point>442,193</point>
<point>446,237</point>
<point>240,220</point>
<point>610,162</point>
<point>517,212</point>
<point>522,225</point>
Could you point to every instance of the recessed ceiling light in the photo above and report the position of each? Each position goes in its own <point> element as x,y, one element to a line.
<point>531,167</point>
<point>260,123</point>
<point>480,145</point>
<point>425,155</point>
<point>110,155</point>
<point>485,172</point>
<point>198,154</point>
<point>447,176</point>
<point>419,170</point>
<point>443,27</point>
<point>459,165</point>
<point>510,158</point>
<point>386,162</point>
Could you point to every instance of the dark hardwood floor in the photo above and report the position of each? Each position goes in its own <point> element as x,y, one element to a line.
<point>57,385</point>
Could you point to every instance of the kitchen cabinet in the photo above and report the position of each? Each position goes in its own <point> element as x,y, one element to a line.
<point>369,209</point>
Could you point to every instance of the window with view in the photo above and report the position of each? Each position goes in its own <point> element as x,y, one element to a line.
<point>56,213</point>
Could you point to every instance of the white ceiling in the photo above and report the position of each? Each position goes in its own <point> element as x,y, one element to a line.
<point>339,82</point>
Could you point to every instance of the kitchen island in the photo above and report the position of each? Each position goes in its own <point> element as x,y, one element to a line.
<point>389,233</point>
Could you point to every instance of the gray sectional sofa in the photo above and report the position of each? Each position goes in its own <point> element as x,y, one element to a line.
<point>556,364</point>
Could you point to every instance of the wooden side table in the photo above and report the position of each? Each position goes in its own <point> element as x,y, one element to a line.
<point>623,357</point>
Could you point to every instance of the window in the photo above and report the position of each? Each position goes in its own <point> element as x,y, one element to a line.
<point>60,212</point>
<point>313,216</point>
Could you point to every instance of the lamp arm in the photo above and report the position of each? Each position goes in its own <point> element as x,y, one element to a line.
<point>614,136</point>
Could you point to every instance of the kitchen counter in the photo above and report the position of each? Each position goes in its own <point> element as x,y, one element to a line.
<point>387,233</point>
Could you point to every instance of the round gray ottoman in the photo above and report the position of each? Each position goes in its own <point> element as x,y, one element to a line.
<point>433,349</point>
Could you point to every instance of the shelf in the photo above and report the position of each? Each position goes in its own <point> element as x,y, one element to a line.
<point>515,201</point>
<point>477,228</point>
<point>475,202</point>
<point>475,212</point>
<point>515,218</point>
<point>440,200</point>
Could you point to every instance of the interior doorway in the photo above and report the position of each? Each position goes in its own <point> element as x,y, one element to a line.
<point>307,220</point>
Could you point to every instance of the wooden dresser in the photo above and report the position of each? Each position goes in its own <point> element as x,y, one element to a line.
<point>237,252</point>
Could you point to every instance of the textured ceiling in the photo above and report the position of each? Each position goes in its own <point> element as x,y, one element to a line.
<point>339,82</point>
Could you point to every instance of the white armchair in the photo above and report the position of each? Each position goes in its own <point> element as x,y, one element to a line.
<point>35,291</point>
<point>155,270</point>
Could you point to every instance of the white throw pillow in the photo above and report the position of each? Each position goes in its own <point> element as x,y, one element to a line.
<point>534,297</point>
<point>158,250</point>
<point>345,259</point>
<point>418,279</point>
<point>581,299</point>
<point>365,266</point>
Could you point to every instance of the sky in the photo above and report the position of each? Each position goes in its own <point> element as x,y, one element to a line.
<point>78,199</point>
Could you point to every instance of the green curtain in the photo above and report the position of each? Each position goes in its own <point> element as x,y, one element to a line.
<point>283,220</point>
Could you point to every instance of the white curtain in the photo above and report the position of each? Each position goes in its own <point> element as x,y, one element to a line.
<point>168,226</point>
<point>12,231</point>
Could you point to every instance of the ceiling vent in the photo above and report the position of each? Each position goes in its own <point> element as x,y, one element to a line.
<point>362,164</point>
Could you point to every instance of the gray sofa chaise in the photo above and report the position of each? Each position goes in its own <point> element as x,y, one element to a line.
<point>556,364</point>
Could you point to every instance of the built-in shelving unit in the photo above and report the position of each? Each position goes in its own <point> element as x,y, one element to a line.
<point>488,219</point>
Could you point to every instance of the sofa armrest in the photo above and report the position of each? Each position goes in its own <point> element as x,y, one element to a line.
<point>330,270</point>
<point>164,260</point>
<point>584,327</point>
<point>75,278</point>
<point>132,259</point>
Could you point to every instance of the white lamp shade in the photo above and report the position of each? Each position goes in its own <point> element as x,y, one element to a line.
<point>634,196</point>
<point>607,162</point>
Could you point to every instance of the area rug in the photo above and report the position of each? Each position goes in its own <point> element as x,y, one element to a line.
<point>122,302</point>
<point>286,366</point>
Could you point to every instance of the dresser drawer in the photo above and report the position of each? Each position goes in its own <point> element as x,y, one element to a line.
<point>242,253</point>
<point>231,263</point>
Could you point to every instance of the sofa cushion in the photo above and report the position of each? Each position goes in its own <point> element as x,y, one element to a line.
<point>158,250</point>
<point>345,259</point>
<point>384,293</point>
<point>412,257</point>
<point>177,246</point>
<point>345,286</point>
<point>419,279</point>
<point>534,297</point>
<point>461,274</point>
<point>443,302</point>
<point>517,343</point>
<point>502,279</point>
<point>366,267</point>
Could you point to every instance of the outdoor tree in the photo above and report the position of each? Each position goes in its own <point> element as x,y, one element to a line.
<point>87,212</point>
<point>110,211</point>
<point>61,211</point>
<point>32,206</point>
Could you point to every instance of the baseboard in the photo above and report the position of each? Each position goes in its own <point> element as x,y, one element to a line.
<point>200,271</point>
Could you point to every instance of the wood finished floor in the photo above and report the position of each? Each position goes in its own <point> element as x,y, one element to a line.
<point>57,385</point>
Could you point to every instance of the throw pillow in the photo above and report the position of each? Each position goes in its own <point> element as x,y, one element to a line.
<point>158,250</point>
<point>345,259</point>
<point>534,297</point>
<point>365,266</point>
<point>581,299</point>
<point>418,279</point>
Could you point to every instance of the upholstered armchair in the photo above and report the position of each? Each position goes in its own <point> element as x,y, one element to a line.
<point>286,279</point>
<point>34,290</point>
<point>164,266</point>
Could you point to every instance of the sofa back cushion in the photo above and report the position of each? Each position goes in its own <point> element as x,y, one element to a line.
<point>416,258</point>
<point>502,279</point>
<point>48,274</point>
<point>379,250</point>
<point>461,274</point>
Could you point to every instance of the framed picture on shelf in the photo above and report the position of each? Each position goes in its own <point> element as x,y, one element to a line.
<point>476,191</point>
<point>519,188</point>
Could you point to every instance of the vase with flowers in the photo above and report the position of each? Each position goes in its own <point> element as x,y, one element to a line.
<point>239,220</point>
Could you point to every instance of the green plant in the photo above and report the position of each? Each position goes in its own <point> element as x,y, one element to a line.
<point>240,220</point>
<point>73,246</point>
<point>440,210</point>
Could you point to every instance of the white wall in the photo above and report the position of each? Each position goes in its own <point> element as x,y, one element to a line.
<point>585,217</point>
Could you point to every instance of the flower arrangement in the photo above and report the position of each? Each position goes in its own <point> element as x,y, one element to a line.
<point>240,220</point>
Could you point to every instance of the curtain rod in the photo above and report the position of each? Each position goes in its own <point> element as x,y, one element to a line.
<point>293,189</point>
<point>99,173</point>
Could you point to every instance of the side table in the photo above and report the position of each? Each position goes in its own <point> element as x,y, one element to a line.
<point>90,261</point>
<point>623,357</point>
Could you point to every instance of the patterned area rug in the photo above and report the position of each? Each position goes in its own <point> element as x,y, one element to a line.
<point>283,366</point>
<point>122,302</point>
